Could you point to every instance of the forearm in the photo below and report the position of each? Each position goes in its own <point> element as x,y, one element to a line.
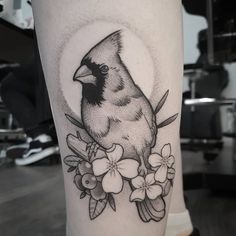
<point>116,68</point>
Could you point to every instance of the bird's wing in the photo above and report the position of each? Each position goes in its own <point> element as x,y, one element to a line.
<point>151,120</point>
<point>154,130</point>
<point>149,116</point>
<point>143,105</point>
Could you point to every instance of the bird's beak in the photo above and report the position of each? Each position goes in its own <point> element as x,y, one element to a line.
<point>84,75</point>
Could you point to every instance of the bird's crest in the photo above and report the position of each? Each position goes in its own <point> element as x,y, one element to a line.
<point>115,40</point>
<point>106,48</point>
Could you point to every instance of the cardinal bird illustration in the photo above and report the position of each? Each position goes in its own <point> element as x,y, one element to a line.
<point>114,110</point>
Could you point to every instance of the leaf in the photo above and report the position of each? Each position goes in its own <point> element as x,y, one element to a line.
<point>96,207</point>
<point>74,121</point>
<point>167,188</point>
<point>71,168</point>
<point>161,102</point>
<point>171,173</point>
<point>72,160</point>
<point>111,201</point>
<point>167,121</point>
<point>82,195</point>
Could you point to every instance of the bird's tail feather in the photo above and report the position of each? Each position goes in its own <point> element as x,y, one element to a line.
<point>151,209</point>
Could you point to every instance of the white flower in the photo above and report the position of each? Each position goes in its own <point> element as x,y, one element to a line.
<point>145,187</point>
<point>114,168</point>
<point>162,162</point>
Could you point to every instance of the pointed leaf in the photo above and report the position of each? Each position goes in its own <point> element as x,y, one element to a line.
<point>72,160</point>
<point>96,207</point>
<point>167,188</point>
<point>74,121</point>
<point>161,102</point>
<point>167,121</point>
<point>71,168</point>
<point>111,201</point>
<point>171,173</point>
<point>82,195</point>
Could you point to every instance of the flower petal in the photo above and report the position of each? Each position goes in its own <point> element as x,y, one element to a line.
<point>115,152</point>
<point>155,160</point>
<point>137,195</point>
<point>138,182</point>
<point>128,168</point>
<point>112,182</point>
<point>166,150</point>
<point>150,179</point>
<point>161,174</point>
<point>100,166</point>
<point>154,191</point>
<point>98,193</point>
<point>170,161</point>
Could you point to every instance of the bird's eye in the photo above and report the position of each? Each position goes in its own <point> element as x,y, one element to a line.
<point>104,69</point>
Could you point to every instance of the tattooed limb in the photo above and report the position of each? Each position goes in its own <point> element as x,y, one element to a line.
<point>113,71</point>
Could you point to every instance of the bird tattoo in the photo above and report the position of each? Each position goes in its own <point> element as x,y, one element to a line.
<point>114,110</point>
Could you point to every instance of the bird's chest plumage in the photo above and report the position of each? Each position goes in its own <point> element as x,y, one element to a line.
<point>95,120</point>
<point>108,124</point>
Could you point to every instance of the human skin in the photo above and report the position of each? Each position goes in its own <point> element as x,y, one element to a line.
<point>151,51</point>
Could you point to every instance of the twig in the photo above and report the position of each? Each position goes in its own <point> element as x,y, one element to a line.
<point>78,146</point>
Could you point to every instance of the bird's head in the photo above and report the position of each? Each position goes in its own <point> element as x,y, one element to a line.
<point>97,66</point>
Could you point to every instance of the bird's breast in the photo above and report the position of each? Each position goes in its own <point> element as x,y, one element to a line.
<point>109,124</point>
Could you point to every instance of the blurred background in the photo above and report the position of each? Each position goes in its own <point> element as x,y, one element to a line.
<point>31,184</point>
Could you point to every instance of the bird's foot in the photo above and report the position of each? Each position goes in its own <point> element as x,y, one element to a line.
<point>142,170</point>
<point>92,149</point>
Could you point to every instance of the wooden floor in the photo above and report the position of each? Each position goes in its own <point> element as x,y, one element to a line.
<point>32,201</point>
<point>213,215</point>
<point>32,204</point>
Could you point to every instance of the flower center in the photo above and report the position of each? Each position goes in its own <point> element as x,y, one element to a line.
<point>112,165</point>
<point>165,160</point>
<point>145,186</point>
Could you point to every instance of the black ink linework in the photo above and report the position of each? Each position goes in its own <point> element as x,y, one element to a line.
<point>114,110</point>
